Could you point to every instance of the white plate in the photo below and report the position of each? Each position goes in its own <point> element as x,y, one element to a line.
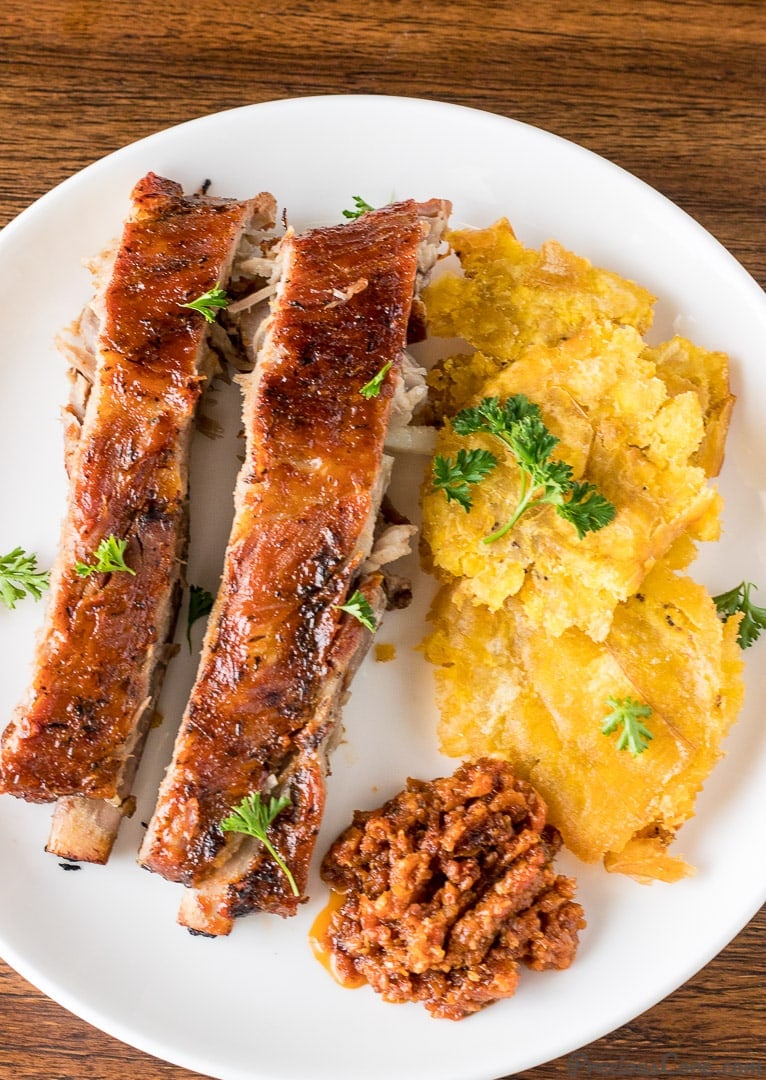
<point>103,941</point>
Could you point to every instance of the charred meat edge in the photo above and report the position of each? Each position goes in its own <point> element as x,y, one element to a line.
<point>173,249</point>
<point>236,878</point>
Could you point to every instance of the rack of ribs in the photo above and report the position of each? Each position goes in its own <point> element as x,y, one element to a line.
<point>139,361</point>
<point>279,651</point>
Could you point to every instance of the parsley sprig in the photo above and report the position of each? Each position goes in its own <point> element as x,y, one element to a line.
<point>736,600</point>
<point>374,386</point>
<point>455,478</point>
<point>252,818</point>
<point>360,207</point>
<point>109,558</point>
<point>629,714</point>
<point>518,425</point>
<point>200,605</point>
<point>358,606</point>
<point>209,303</point>
<point>19,577</point>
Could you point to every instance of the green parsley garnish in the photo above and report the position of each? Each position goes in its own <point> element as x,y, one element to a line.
<point>209,303</point>
<point>252,818</point>
<point>517,423</point>
<point>736,600</point>
<point>200,605</point>
<point>19,577</point>
<point>109,559</point>
<point>373,387</point>
<point>361,207</point>
<point>634,736</point>
<point>455,478</point>
<point>358,606</point>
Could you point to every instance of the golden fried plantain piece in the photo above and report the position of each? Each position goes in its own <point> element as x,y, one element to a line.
<point>506,687</point>
<point>684,366</point>
<point>510,297</point>
<point>621,430</point>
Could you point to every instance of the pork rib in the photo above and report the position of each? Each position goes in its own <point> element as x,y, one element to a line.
<point>279,653</point>
<point>140,361</point>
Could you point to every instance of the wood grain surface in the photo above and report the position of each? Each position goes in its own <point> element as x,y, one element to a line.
<point>673,92</point>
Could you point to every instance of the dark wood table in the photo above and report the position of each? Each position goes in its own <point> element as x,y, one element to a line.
<point>675,92</point>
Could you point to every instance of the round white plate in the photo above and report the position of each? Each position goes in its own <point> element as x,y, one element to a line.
<point>103,941</point>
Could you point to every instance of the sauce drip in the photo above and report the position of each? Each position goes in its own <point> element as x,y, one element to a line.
<point>384,652</point>
<point>321,944</point>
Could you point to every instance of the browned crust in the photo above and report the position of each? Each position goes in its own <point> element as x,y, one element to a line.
<point>303,500</point>
<point>250,879</point>
<point>104,635</point>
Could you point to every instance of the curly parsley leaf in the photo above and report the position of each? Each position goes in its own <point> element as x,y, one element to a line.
<point>455,478</point>
<point>586,508</point>
<point>252,818</point>
<point>200,605</point>
<point>496,417</point>
<point>374,386</point>
<point>108,559</point>
<point>358,606</point>
<point>518,424</point>
<point>628,714</point>
<point>360,207</point>
<point>209,303</point>
<point>19,577</point>
<point>738,600</point>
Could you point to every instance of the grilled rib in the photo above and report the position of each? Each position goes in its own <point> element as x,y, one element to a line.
<point>279,653</point>
<point>140,360</point>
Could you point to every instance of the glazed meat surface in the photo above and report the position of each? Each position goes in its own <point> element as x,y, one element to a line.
<point>279,652</point>
<point>447,889</point>
<point>103,643</point>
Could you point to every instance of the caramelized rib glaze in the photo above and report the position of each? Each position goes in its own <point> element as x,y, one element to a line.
<point>271,674</point>
<point>104,635</point>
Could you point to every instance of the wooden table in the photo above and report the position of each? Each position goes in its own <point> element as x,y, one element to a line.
<point>674,92</point>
